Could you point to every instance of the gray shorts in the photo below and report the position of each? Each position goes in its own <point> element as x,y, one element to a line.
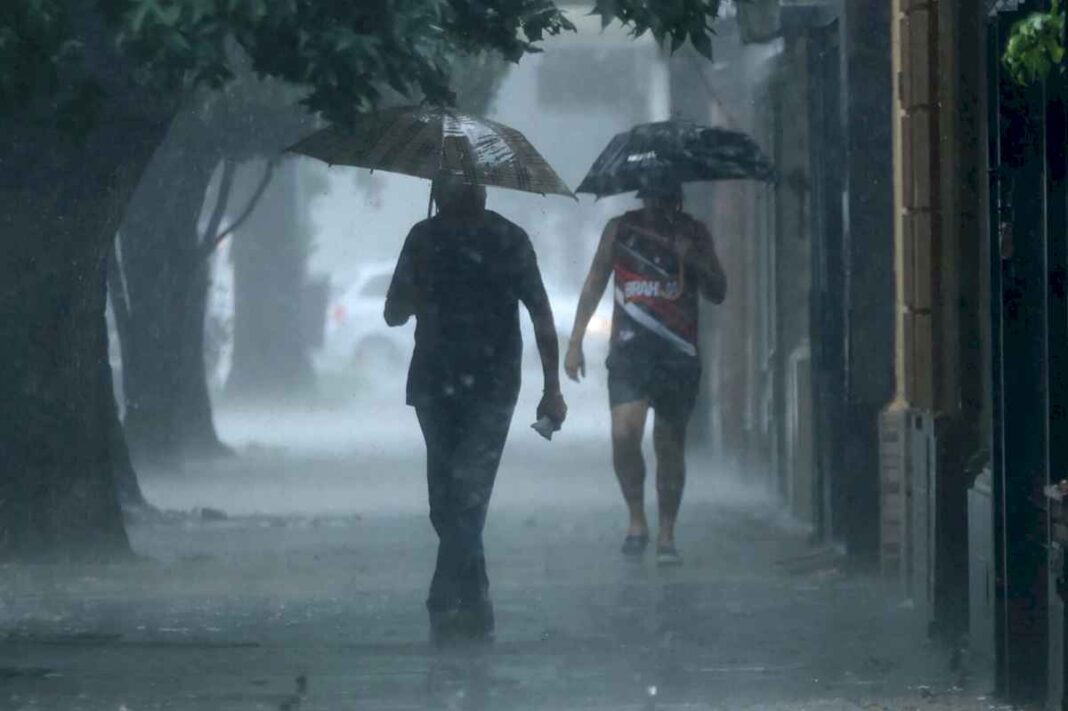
<point>669,384</point>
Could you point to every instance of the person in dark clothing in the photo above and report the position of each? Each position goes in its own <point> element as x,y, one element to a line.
<point>662,260</point>
<point>462,274</point>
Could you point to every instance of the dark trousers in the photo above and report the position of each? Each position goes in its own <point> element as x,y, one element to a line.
<point>464,440</point>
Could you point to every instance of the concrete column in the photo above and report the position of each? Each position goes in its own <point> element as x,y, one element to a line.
<point>939,221</point>
<point>908,486</point>
<point>915,200</point>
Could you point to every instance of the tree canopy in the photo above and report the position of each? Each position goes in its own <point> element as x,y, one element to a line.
<point>343,52</point>
<point>1036,45</point>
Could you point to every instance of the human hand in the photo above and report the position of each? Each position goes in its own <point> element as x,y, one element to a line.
<point>685,247</point>
<point>575,362</point>
<point>552,406</point>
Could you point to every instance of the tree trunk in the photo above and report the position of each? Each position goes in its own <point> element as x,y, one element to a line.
<point>60,204</point>
<point>126,484</point>
<point>194,425</point>
<point>129,490</point>
<point>270,252</point>
<point>168,409</point>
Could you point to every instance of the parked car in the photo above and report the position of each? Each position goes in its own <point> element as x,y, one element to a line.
<point>356,336</point>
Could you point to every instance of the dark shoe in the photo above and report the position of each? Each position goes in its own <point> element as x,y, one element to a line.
<point>634,546</point>
<point>444,627</point>
<point>475,623</point>
<point>667,556</point>
<point>471,623</point>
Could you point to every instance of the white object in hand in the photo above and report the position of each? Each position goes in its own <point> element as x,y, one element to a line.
<point>545,427</point>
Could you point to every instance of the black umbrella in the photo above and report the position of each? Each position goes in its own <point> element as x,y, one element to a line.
<point>672,152</point>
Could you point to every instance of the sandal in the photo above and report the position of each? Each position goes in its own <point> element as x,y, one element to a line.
<point>667,556</point>
<point>634,546</point>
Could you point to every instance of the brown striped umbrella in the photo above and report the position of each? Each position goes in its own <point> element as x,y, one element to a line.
<point>429,141</point>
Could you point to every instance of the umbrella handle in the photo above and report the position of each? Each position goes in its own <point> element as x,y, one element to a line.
<point>430,203</point>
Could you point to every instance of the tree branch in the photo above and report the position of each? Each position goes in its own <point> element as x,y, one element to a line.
<point>208,246</point>
<point>222,200</point>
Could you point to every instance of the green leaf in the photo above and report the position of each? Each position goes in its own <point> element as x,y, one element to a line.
<point>1036,46</point>
<point>169,16</point>
<point>140,15</point>
<point>702,43</point>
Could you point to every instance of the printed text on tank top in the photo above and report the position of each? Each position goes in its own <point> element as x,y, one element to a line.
<point>653,293</point>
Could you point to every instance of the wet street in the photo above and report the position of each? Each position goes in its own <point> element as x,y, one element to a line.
<point>301,587</point>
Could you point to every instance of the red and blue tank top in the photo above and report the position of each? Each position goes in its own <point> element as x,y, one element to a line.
<point>655,295</point>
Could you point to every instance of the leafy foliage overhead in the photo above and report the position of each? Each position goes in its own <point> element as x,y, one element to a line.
<point>1036,45</point>
<point>342,51</point>
<point>673,21</point>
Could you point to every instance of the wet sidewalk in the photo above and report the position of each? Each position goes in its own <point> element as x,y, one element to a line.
<point>303,610</point>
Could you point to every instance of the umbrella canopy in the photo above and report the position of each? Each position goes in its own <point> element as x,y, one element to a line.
<point>429,141</point>
<point>673,152</point>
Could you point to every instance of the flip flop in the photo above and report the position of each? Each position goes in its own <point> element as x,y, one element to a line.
<point>634,546</point>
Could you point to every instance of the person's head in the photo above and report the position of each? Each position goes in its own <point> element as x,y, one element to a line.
<point>453,196</point>
<point>663,197</point>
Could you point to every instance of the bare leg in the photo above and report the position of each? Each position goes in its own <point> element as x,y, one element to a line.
<point>628,426</point>
<point>669,441</point>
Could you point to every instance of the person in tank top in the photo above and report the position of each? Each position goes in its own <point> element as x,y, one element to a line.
<point>662,261</point>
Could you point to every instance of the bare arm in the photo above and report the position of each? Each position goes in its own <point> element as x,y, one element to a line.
<point>596,281</point>
<point>402,299</point>
<point>592,290</point>
<point>535,298</point>
<point>541,315</point>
